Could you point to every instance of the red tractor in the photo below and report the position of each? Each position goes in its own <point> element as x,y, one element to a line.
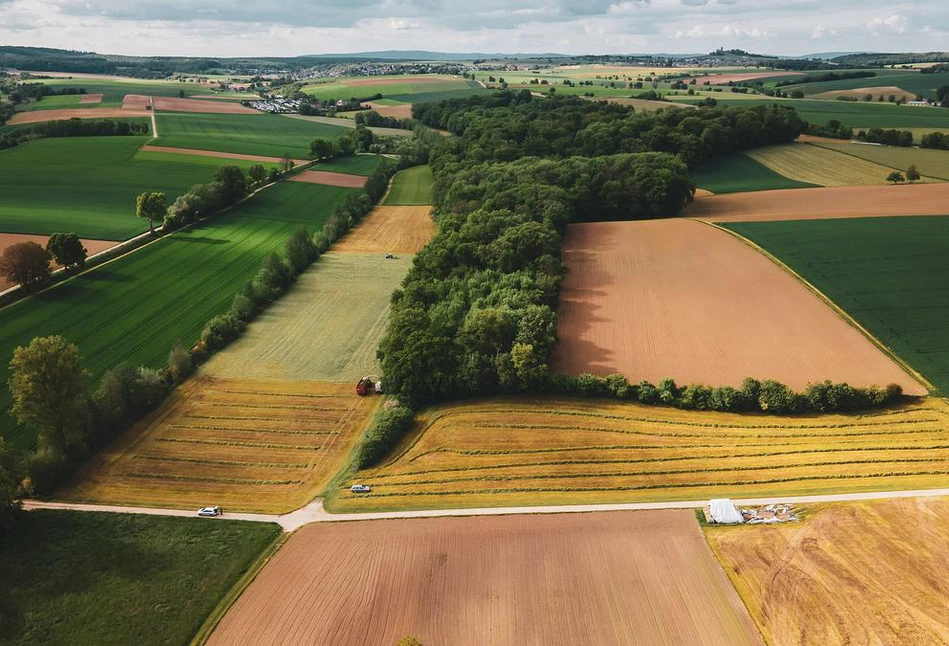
<point>368,386</point>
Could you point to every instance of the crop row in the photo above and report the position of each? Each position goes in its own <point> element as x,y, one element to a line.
<point>249,445</point>
<point>235,429</point>
<point>183,478</point>
<point>229,463</point>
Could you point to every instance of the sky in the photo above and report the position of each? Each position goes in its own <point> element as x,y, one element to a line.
<point>297,27</point>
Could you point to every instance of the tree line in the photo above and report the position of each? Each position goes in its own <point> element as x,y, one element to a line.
<point>74,127</point>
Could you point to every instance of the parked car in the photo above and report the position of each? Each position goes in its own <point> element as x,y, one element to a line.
<point>210,511</point>
<point>360,489</point>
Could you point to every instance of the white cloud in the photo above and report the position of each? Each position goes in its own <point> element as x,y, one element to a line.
<point>896,24</point>
<point>822,32</point>
<point>701,31</point>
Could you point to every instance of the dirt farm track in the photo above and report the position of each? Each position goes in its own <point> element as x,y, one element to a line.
<point>603,578</point>
<point>679,298</point>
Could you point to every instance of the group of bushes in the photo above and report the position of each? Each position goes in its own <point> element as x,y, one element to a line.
<point>892,137</point>
<point>833,129</point>
<point>228,187</point>
<point>359,139</point>
<point>373,119</point>
<point>73,128</point>
<point>386,431</point>
<point>753,396</point>
<point>937,140</point>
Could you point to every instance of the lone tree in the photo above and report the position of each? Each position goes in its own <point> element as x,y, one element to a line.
<point>323,149</point>
<point>26,264</point>
<point>67,249</point>
<point>232,183</point>
<point>912,174</point>
<point>896,177</point>
<point>151,206</point>
<point>257,173</point>
<point>50,390</point>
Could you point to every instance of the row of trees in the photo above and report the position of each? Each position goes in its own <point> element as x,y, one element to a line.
<point>937,140</point>
<point>28,264</point>
<point>73,128</point>
<point>374,119</point>
<point>359,139</point>
<point>228,187</point>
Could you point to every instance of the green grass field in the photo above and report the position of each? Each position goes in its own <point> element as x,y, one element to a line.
<point>112,90</point>
<point>737,173</point>
<point>252,134</point>
<point>87,578</point>
<point>353,164</point>
<point>388,86</point>
<point>924,84</point>
<point>134,308</point>
<point>929,162</point>
<point>88,184</point>
<point>890,274</point>
<point>438,95</point>
<point>411,186</point>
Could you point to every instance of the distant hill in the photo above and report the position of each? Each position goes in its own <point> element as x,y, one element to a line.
<point>421,55</point>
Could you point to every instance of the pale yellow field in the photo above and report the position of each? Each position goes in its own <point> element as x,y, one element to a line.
<point>854,573</point>
<point>245,445</point>
<point>816,165</point>
<point>545,451</point>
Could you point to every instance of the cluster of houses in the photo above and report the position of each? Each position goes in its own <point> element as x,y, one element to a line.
<point>276,104</point>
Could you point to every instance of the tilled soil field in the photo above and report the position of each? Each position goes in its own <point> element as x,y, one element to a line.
<point>38,116</point>
<point>854,573</point>
<point>678,298</point>
<point>399,229</point>
<point>606,578</point>
<point>329,178</point>
<point>169,104</point>
<point>818,203</point>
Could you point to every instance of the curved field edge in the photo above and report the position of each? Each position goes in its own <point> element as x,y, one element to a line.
<point>546,451</point>
<point>740,173</point>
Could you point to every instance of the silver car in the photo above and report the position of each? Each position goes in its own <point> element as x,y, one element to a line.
<point>210,511</point>
<point>360,489</point>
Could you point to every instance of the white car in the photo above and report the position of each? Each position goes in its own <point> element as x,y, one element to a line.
<point>210,511</point>
<point>360,489</point>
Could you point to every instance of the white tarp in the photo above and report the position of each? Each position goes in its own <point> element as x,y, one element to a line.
<point>724,511</point>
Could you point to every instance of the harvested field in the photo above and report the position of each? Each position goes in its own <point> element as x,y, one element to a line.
<point>928,161</point>
<point>724,79</point>
<point>169,104</point>
<point>854,573</point>
<point>329,178</point>
<point>678,298</point>
<point>264,446</point>
<point>213,153</point>
<point>402,111</point>
<point>396,229</point>
<point>326,328</point>
<point>38,116</point>
<point>608,578</point>
<point>549,451</point>
<point>7,239</point>
<point>136,101</point>
<point>90,98</point>
<point>886,91</point>
<point>820,166</point>
<point>824,203</point>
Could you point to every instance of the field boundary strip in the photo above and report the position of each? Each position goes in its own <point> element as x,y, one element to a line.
<point>826,146</point>
<point>906,367</point>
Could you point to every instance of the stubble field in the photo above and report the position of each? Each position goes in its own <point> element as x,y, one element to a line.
<point>640,577</point>
<point>396,229</point>
<point>548,451</point>
<point>678,298</point>
<point>242,444</point>
<point>857,573</point>
<point>821,166</point>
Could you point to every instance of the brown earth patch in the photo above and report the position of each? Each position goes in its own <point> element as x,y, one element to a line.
<point>678,298</point>
<point>397,229</point>
<point>7,239</point>
<point>855,573</point>
<point>817,203</point>
<point>213,153</point>
<point>329,178</point>
<point>599,578</point>
<point>403,111</point>
<point>136,101</point>
<point>90,98</point>
<point>38,116</point>
<point>722,79</point>
<point>168,104</point>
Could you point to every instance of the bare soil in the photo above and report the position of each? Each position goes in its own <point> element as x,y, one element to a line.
<point>136,101</point>
<point>403,111</point>
<point>38,116</point>
<point>214,153</point>
<point>90,98</point>
<point>329,178</point>
<point>396,229</point>
<point>678,298</point>
<point>169,104</point>
<point>603,578</point>
<point>7,239</point>
<point>818,203</point>
<point>722,79</point>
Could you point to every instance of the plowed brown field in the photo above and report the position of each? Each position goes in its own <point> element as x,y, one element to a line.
<point>132,101</point>
<point>169,104</point>
<point>817,203</point>
<point>682,299</point>
<point>7,239</point>
<point>399,229</point>
<point>90,98</point>
<point>38,116</point>
<point>213,153</point>
<point>608,578</point>
<point>854,573</point>
<point>737,77</point>
<point>329,178</point>
<point>265,446</point>
<point>403,111</point>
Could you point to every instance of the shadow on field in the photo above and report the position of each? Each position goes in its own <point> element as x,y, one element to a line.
<point>202,239</point>
<point>110,276</point>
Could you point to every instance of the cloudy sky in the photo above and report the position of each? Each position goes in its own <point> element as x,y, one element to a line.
<point>294,27</point>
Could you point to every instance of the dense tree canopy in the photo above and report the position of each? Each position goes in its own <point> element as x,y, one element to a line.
<point>26,264</point>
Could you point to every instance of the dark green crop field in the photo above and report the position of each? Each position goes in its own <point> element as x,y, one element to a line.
<point>411,186</point>
<point>134,308</point>
<point>438,95</point>
<point>737,173</point>
<point>101,578</point>
<point>352,164</point>
<point>911,81</point>
<point>112,91</point>
<point>890,274</point>
<point>88,184</point>
<point>250,134</point>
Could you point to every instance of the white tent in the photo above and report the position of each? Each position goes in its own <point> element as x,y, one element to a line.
<point>724,511</point>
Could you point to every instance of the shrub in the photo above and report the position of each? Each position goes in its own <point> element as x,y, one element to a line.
<point>618,386</point>
<point>648,394</point>
<point>388,429</point>
<point>775,397</point>
<point>221,330</point>
<point>300,251</point>
<point>590,385</point>
<point>668,391</point>
<point>179,363</point>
